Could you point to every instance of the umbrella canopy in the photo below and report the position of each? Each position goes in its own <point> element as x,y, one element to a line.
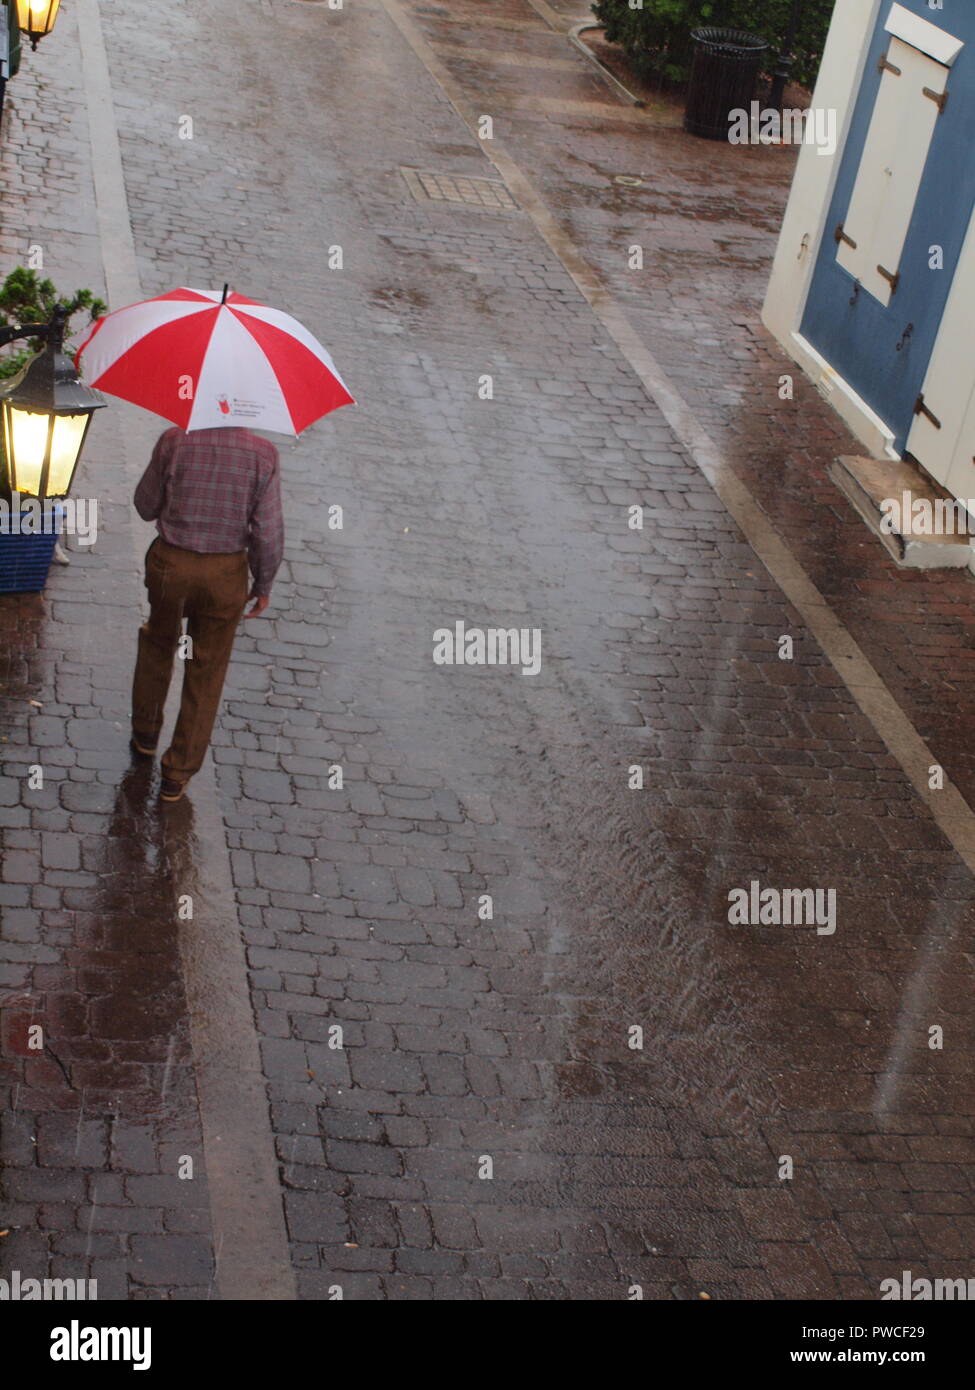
<point>201,360</point>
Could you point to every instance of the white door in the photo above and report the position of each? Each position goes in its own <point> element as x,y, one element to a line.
<point>870,241</point>
<point>943,435</point>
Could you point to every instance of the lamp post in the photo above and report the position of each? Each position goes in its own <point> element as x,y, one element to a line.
<point>36,18</point>
<point>786,57</point>
<point>9,45</point>
<point>46,413</point>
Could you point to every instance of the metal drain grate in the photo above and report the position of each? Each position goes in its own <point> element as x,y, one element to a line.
<point>457,190</point>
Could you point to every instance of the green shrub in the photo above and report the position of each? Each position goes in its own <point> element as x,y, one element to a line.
<point>26,299</point>
<point>657,37</point>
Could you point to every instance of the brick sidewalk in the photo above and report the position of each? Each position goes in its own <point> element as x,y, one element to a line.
<point>465,1039</point>
<point>95,1128</point>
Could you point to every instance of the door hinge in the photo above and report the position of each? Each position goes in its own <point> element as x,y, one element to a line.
<point>921,409</point>
<point>884,65</point>
<point>892,279</point>
<point>940,99</point>
<point>840,235</point>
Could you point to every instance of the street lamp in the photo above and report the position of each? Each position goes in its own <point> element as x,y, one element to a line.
<point>46,413</point>
<point>36,18</point>
<point>786,57</point>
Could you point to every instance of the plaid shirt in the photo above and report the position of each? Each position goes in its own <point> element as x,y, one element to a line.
<point>217,492</point>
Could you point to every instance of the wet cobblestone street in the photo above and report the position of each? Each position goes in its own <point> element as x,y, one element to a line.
<point>450,864</point>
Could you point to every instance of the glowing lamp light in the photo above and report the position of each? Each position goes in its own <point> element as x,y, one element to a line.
<point>36,18</point>
<point>43,450</point>
<point>46,413</point>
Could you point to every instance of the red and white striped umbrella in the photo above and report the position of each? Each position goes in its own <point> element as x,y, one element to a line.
<point>201,359</point>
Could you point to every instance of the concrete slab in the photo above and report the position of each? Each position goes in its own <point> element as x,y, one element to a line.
<point>884,492</point>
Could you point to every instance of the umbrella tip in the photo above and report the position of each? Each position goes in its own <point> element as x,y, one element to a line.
<point>225,289</point>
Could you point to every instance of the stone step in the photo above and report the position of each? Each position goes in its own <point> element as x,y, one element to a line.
<point>896,500</point>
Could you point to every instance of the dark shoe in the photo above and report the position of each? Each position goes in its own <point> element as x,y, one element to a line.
<point>144,750</point>
<point>171,791</point>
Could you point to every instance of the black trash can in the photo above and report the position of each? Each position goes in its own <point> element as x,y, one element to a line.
<point>723,73</point>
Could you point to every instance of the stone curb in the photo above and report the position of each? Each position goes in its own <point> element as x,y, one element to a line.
<point>611,81</point>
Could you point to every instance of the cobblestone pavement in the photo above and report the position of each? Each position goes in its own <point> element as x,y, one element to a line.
<point>468,1038</point>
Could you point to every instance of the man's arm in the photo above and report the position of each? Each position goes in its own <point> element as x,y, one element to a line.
<point>266,543</point>
<point>151,491</point>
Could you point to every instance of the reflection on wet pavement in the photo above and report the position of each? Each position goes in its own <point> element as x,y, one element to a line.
<point>103,1166</point>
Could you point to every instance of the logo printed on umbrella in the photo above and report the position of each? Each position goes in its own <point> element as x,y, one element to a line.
<point>247,410</point>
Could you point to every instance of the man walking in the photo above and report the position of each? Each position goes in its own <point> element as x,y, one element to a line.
<point>215,496</point>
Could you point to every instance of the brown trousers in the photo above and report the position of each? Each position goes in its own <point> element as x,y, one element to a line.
<point>210,591</point>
